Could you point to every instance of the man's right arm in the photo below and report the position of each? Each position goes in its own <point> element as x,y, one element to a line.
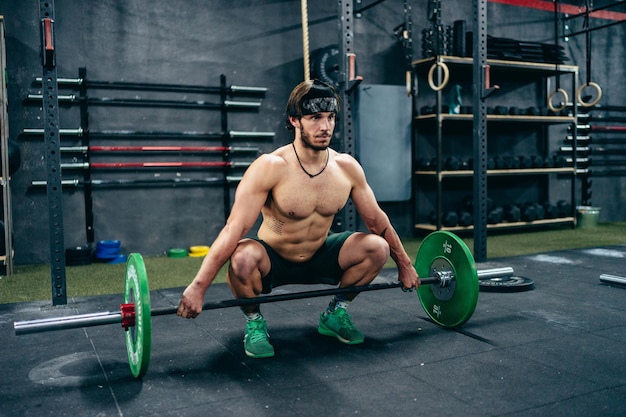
<point>250,197</point>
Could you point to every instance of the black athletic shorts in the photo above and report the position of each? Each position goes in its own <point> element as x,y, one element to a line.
<point>322,268</point>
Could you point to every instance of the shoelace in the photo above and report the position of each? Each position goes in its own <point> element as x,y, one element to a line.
<point>257,332</point>
<point>345,320</point>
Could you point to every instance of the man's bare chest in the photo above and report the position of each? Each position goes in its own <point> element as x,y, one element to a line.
<point>300,199</point>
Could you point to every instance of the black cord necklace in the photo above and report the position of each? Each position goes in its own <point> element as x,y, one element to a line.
<point>302,166</point>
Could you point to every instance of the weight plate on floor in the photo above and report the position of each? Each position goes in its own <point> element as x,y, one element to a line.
<point>177,253</point>
<point>108,244</point>
<point>139,337</point>
<point>197,254</point>
<point>199,249</point>
<point>444,251</point>
<point>506,284</point>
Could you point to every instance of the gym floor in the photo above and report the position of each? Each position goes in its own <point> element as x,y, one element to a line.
<point>557,350</point>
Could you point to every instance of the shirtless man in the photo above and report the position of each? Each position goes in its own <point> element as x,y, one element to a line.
<point>298,189</point>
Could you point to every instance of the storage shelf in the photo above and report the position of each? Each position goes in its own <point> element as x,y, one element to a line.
<point>525,130</point>
<point>546,69</point>
<point>499,118</point>
<point>503,225</point>
<point>496,172</point>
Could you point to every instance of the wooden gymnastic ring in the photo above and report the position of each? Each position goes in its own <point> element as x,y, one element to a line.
<point>592,102</point>
<point>565,100</point>
<point>446,76</point>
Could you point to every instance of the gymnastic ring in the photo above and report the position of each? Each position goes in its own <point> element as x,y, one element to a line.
<point>592,102</point>
<point>565,100</point>
<point>446,76</point>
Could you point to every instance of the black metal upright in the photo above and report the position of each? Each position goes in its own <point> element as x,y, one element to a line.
<point>53,152</point>
<point>347,218</point>
<point>87,187</point>
<point>225,143</point>
<point>480,87</point>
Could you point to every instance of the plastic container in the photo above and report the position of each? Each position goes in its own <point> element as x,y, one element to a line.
<point>587,216</point>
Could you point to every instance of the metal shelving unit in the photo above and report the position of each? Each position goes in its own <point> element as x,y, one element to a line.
<point>435,125</point>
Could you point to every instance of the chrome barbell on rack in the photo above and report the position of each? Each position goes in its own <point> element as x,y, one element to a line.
<point>448,294</point>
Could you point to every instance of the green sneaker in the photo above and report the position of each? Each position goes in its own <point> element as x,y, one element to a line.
<point>339,324</point>
<point>256,341</point>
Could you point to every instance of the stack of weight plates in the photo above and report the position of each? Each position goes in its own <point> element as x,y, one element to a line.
<point>177,253</point>
<point>198,251</point>
<point>78,255</point>
<point>110,251</point>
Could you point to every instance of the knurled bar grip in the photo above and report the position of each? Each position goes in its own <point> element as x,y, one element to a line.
<point>113,317</point>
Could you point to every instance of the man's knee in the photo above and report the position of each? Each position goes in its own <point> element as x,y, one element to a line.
<point>247,260</point>
<point>378,249</point>
<point>369,247</point>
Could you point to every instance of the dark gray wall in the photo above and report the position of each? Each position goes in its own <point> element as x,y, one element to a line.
<point>255,43</point>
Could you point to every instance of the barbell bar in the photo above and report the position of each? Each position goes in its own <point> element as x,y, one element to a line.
<point>448,294</point>
<point>116,317</point>
<point>126,85</point>
<point>167,148</point>
<point>144,102</point>
<point>80,132</point>
<point>148,181</point>
<point>158,164</point>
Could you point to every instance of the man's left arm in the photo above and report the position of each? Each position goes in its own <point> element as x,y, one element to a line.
<point>377,222</point>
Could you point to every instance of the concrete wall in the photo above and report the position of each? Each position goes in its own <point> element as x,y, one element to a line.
<point>256,43</point>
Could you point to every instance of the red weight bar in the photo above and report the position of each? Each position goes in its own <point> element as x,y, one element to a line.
<point>156,149</point>
<point>608,128</point>
<point>158,164</point>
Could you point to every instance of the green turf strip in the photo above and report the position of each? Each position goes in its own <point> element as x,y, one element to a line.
<point>32,282</point>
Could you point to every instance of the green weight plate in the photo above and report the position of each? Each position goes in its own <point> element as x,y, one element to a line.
<point>454,305</point>
<point>139,337</point>
<point>177,253</point>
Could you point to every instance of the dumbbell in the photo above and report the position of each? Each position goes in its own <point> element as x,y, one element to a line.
<point>540,212</point>
<point>501,110</point>
<point>465,218</point>
<point>551,212</point>
<point>495,215</point>
<point>508,162</point>
<point>498,162</point>
<point>548,162</point>
<point>564,208</point>
<point>532,111</point>
<point>524,162</point>
<point>452,163</point>
<point>529,213</point>
<point>536,161</point>
<point>514,162</point>
<point>560,161</point>
<point>512,213</point>
<point>449,219</point>
<point>491,163</point>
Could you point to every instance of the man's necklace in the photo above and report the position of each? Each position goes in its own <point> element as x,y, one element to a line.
<point>302,166</point>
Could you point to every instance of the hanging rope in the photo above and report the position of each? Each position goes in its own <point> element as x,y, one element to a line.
<point>305,39</point>
<point>589,83</point>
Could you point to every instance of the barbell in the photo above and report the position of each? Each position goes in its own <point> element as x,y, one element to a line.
<point>448,294</point>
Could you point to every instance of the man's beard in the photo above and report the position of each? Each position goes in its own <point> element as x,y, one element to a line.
<point>308,143</point>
